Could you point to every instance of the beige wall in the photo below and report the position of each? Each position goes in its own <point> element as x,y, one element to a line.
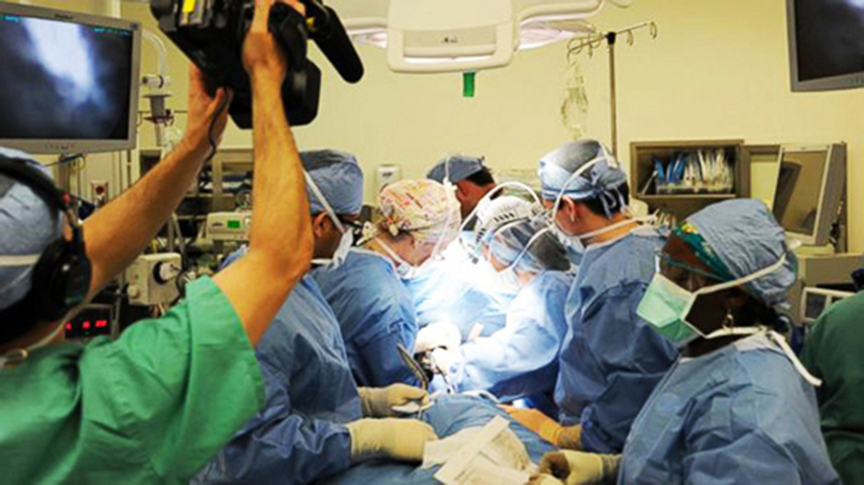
<point>718,69</point>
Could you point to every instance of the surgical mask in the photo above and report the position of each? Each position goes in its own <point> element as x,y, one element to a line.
<point>665,306</point>
<point>404,269</point>
<point>19,355</point>
<point>347,240</point>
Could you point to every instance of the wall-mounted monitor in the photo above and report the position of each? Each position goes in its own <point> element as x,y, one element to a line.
<point>826,44</point>
<point>810,183</point>
<point>68,81</point>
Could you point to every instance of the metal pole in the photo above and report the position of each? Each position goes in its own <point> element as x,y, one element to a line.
<point>613,96</point>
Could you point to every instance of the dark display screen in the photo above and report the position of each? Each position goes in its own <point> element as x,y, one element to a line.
<point>64,80</point>
<point>829,36</point>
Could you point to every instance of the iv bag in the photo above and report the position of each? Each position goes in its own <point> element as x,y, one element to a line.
<point>574,106</point>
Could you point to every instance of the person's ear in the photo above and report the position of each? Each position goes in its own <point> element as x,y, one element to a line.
<point>571,209</point>
<point>736,298</point>
<point>321,225</point>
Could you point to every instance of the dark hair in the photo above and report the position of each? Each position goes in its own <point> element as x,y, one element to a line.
<point>481,178</point>
<point>595,205</point>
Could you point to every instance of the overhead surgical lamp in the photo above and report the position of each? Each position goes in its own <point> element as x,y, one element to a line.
<point>463,36</point>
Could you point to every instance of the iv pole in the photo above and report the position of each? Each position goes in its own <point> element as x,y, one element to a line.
<point>576,46</point>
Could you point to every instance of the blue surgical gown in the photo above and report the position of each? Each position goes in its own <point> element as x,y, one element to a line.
<point>299,435</point>
<point>522,358</point>
<point>375,313</point>
<point>740,414</point>
<point>611,359</point>
<point>458,291</point>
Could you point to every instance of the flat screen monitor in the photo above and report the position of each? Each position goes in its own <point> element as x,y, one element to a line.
<point>810,185</point>
<point>68,81</point>
<point>826,44</point>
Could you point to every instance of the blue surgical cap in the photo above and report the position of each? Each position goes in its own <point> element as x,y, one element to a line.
<point>27,226</point>
<point>339,177</point>
<point>458,167</point>
<point>747,238</point>
<point>601,181</point>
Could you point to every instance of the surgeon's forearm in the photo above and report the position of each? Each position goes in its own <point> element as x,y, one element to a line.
<point>120,231</point>
<point>280,239</point>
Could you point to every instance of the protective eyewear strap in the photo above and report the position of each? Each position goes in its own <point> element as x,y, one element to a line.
<point>323,200</point>
<point>528,245</point>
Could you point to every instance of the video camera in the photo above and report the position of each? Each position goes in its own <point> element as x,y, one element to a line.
<point>211,34</point>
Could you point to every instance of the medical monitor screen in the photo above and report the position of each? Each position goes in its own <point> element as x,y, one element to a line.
<point>827,43</point>
<point>799,190</point>
<point>64,80</point>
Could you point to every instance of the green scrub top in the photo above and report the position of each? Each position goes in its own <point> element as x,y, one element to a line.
<point>151,407</point>
<point>834,352</point>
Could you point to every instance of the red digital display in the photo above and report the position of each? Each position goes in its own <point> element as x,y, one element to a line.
<point>101,323</point>
<point>85,325</point>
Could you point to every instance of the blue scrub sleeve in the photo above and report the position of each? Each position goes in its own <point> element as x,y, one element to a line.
<point>281,446</point>
<point>632,357</point>
<point>181,385</point>
<point>380,362</point>
<point>752,458</point>
<point>519,348</point>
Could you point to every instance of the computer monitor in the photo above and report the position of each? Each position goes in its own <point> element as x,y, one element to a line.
<point>810,185</point>
<point>826,44</point>
<point>68,81</point>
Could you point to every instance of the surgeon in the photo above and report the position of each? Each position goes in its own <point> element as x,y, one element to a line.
<point>834,352</point>
<point>520,360</point>
<point>365,290</point>
<point>611,359</point>
<point>312,423</point>
<point>469,174</point>
<point>737,407</point>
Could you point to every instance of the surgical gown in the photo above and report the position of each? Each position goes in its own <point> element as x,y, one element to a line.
<point>741,414</point>
<point>299,435</point>
<point>458,291</point>
<point>375,313</point>
<point>521,359</point>
<point>611,359</point>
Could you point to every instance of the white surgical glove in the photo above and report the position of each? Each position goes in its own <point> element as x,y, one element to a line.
<point>578,468</point>
<point>378,402</point>
<point>397,439</point>
<point>441,334</point>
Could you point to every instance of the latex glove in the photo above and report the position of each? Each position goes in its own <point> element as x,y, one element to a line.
<point>397,439</point>
<point>441,334</point>
<point>568,437</point>
<point>578,468</point>
<point>545,479</point>
<point>378,402</point>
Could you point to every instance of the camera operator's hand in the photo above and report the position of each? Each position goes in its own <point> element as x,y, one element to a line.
<point>262,56</point>
<point>208,115</point>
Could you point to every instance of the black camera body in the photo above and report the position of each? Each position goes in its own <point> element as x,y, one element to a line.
<point>211,34</point>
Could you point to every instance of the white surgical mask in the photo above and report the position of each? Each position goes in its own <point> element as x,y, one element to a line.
<point>404,269</point>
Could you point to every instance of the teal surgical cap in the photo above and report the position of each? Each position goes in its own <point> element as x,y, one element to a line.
<point>338,176</point>
<point>601,181</point>
<point>747,238</point>
<point>27,226</point>
<point>458,167</point>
